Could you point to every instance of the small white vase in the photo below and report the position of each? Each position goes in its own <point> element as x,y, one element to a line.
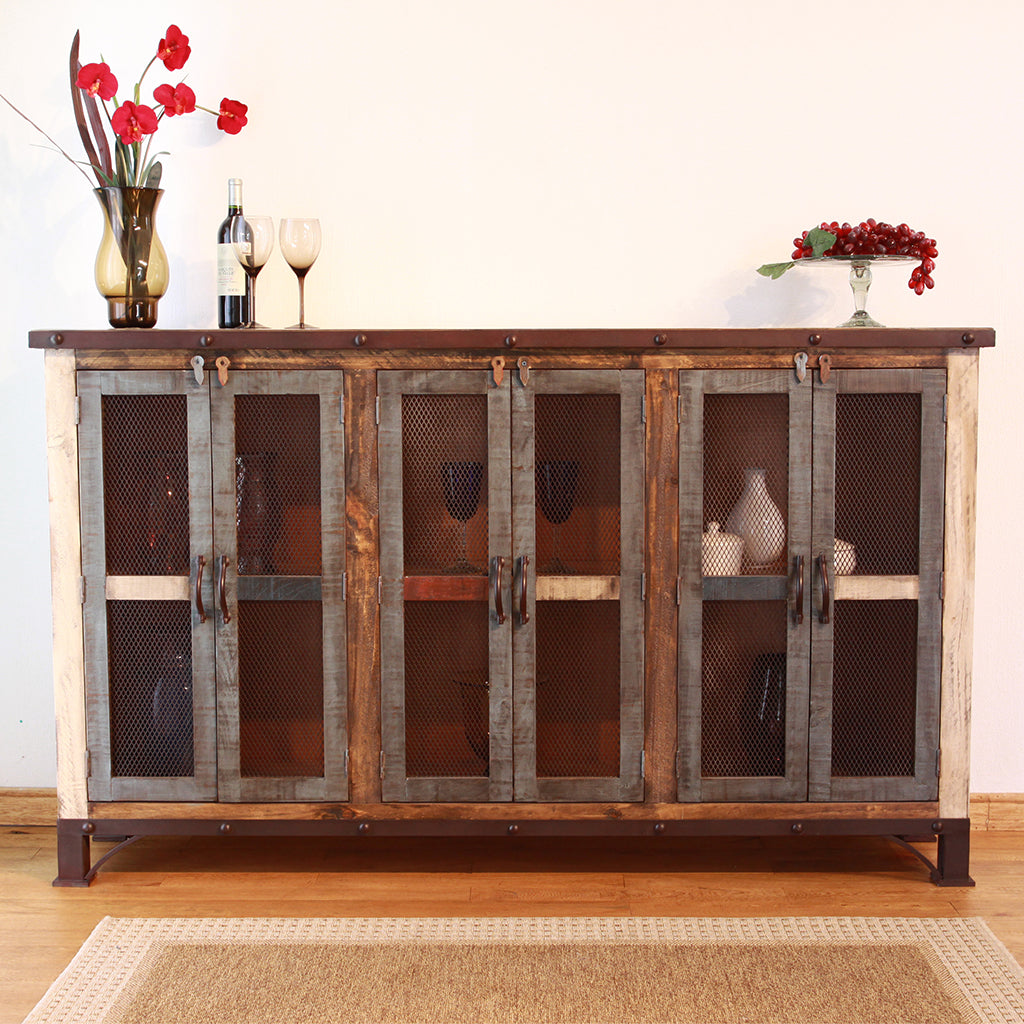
<point>757,519</point>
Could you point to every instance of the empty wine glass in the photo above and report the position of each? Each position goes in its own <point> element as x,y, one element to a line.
<point>556,495</point>
<point>252,238</point>
<point>461,481</point>
<point>300,246</point>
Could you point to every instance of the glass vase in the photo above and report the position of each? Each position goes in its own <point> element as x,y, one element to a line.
<point>131,266</point>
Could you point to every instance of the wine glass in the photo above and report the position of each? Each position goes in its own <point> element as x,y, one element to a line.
<point>556,495</point>
<point>461,481</point>
<point>300,246</point>
<point>252,238</point>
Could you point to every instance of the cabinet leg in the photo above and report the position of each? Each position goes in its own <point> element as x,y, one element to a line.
<point>73,855</point>
<point>954,853</point>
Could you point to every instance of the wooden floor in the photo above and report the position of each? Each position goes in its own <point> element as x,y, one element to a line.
<point>42,927</point>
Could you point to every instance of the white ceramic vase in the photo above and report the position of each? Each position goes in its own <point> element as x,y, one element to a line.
<point>757,519</point>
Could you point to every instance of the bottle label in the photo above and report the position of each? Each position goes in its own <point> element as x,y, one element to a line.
<point>230,275</point>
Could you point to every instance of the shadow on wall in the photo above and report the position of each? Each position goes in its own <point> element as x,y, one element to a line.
<point>791,301</point>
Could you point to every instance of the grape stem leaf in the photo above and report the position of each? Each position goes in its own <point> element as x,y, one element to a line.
<point>818,239</point>
<point>775,270</point>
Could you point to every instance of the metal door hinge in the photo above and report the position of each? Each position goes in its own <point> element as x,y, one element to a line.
<point>344,593</point>
<point>679,409</point>
<point>380,590</point>
<point>942,585</point>
<point>376,410</point>
<point>938,761</point>
<point>643,408</point>
<point>679,762</point>
<point>643,764</point>
<point>945,408</point>
<point>383,763</point>
<point>341,409</point>
<point>679,590</point>
<point>78,411</point>
<point>88,764</point>
<point>345,762</point>
<point>643,586</point>
<point>81,590</point>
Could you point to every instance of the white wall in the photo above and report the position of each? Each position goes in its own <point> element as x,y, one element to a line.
<point>589,163</point>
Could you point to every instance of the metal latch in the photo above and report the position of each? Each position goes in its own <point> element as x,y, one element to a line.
<point>222,370</point>
<point>800,361</point>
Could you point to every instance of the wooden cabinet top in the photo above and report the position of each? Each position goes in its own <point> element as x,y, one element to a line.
<point>529,339</point>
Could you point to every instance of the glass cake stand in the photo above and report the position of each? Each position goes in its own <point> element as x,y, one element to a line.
<point>860,280</point>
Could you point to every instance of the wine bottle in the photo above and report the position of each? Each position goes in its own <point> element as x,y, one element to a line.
<point>232,295</point>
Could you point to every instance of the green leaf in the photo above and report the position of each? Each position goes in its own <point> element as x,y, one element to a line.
<point>153,173</point>
<point>820,241</point>
<point>774,270</point>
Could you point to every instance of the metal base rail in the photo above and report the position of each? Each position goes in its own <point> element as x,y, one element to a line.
<point>75,835</point>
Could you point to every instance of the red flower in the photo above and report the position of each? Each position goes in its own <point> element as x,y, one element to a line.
<point>174,49</point>
<point>131,122</point>
<point>180,100</point>
<point>96,79</point>
<point>231,118</point>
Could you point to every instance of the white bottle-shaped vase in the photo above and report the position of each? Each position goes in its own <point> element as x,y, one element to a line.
<point>757,519</point>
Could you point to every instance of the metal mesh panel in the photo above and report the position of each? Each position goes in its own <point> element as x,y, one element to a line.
<point>578,691</point>
<point>743,696</point>
<point>874,688</point>
<point>746,475</point>
<point>444,484</point>
<point>149,662</point>
<point>446,689</point>
<point>145,485</point>
<point>277,484</point>
<point>578,484</point>
<point>281,689</point>
<point>878,482</point>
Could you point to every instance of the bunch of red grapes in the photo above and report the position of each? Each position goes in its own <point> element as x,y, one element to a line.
<point>871,238</point>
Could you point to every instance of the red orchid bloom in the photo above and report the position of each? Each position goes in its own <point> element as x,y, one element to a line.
<point>176,100</point>
<point>174,49</point>
<point>132,121</point>
<point>97,80</point>
<point>231,117</point>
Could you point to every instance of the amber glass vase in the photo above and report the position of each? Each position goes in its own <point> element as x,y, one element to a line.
<point>131,265</point>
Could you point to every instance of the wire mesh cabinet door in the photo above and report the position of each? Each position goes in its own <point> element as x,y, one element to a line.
<point>279,515</point>
<point>578,515</point>
<point>445,554</point>
<point>144,443</point>
<point>877,550</point>
<point>745,509</point>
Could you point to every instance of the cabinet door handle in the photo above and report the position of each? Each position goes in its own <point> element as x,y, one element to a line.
<point>826,590</point>
<point>499,608</point>
<point>200,568</point>
<point>524,565</point>
<point>222,590</point>
<point>799,589</point>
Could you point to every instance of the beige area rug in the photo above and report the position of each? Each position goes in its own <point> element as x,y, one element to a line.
<point>538,970</point>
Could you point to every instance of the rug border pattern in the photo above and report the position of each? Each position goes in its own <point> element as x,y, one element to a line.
<point>90,986</point>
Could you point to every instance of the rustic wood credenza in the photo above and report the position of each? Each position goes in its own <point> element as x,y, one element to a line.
<point>540,582</point>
